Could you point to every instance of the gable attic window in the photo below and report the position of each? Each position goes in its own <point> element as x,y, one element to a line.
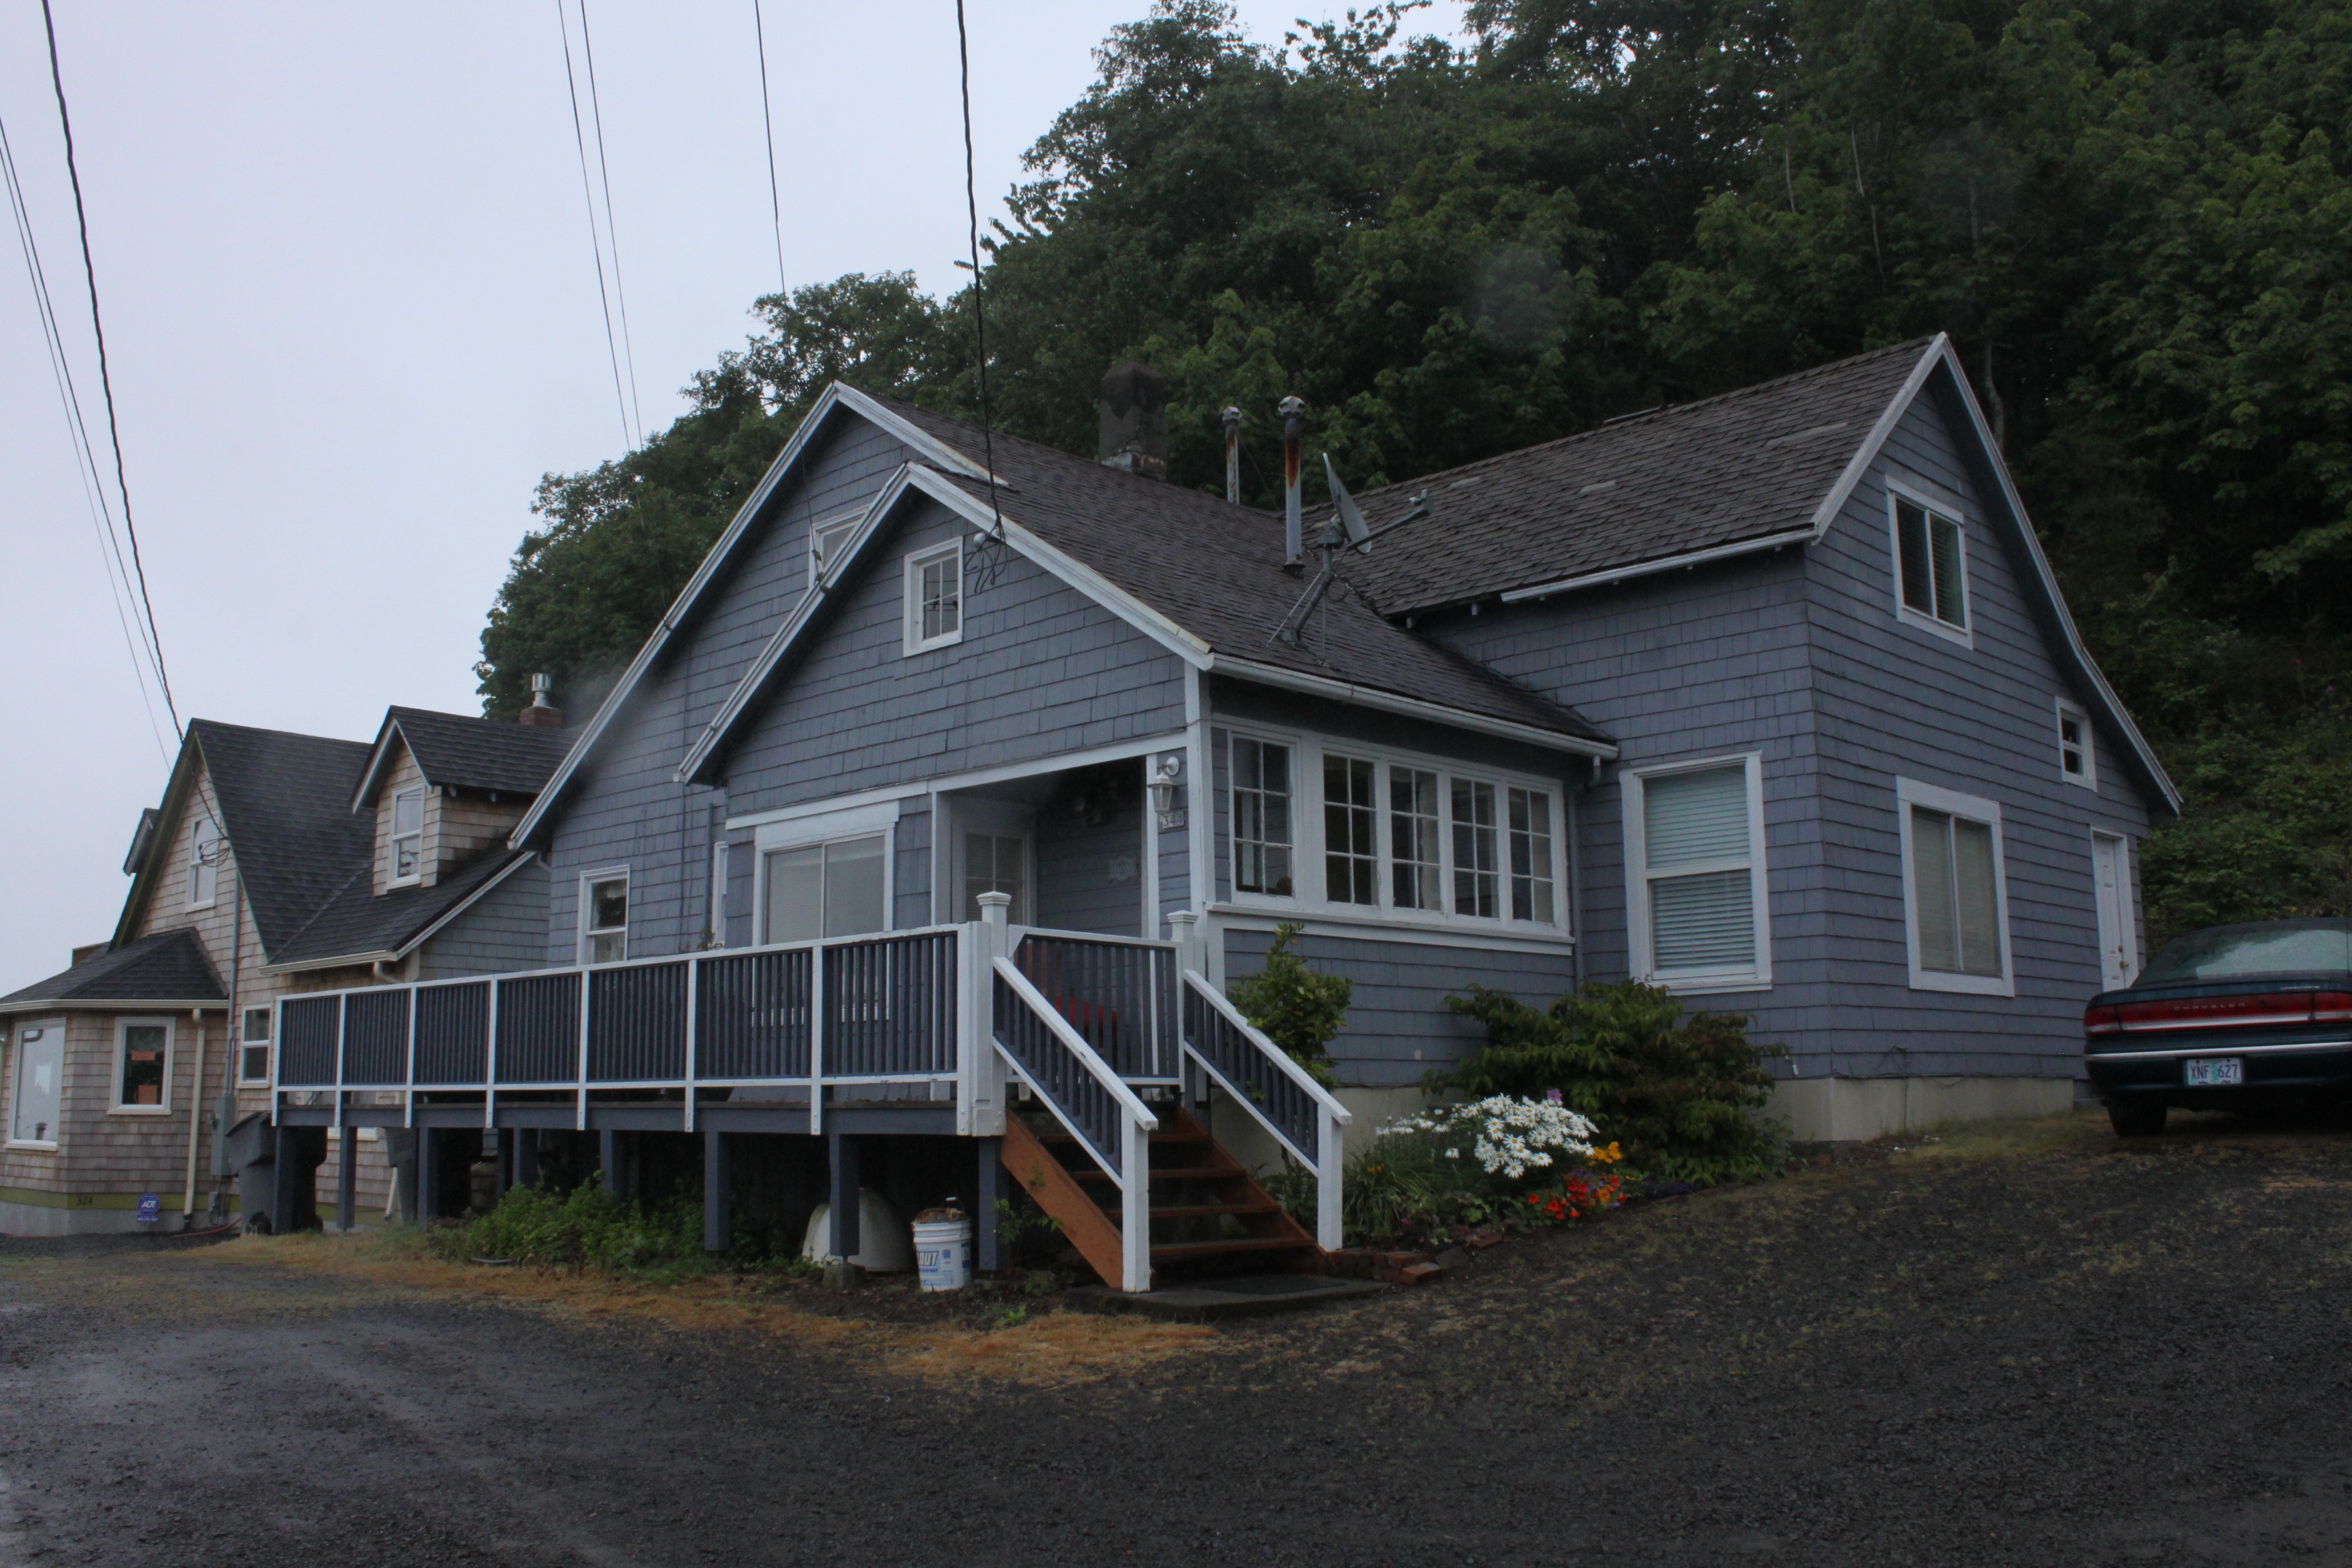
<point>1954,892</point>
<point>1931,567</point>
<point>253,1050</point>
<point>2077,764</point>
<point>604,917</point>
<point>935,597</point>
<point>407,837</point>
<point>828,536</point>
<point>203,863</point>
<point>1700,918</point>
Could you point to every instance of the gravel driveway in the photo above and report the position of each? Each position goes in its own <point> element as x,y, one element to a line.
<point>2056,1349</point>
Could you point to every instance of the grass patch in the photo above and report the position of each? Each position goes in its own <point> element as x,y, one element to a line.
<point>2082,1130</point>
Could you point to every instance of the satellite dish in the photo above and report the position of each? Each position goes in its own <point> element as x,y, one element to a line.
<point>1351,517</point>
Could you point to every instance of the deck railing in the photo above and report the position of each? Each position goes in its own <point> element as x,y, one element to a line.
<point>1118,993</point>
<point>888,1010</point>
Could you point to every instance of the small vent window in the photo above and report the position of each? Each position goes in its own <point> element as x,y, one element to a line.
<point>2077,763</point>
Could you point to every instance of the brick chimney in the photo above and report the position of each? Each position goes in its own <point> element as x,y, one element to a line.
<point>542,714</point>
<point>1134,431</point>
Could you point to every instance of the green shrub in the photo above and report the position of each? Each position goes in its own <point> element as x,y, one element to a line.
<point>1294,1008</point>
<point>584,1228</point>
<point>1675,1093</point>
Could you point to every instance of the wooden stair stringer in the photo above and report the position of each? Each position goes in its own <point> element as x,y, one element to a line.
<point>1043,1177</point>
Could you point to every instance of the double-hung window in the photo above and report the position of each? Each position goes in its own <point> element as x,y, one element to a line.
<point>1389,837</point>
<point>39,1090</point>
<point>1931,566</point>
<point>143,1066</point>
<point>252,1061</point>
<point>1695,839</point>
<point>407,836</point>
<point>2076,761</point>
<point>203,863</point>
<point>1955,900</point>
<point>1261,801</point>
<point>935,597</point>
<point>604,917</point>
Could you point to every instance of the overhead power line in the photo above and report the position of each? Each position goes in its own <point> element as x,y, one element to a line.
<point>93,489</point>
<point>105,380</point>
<point>611,228</point>
<point>595,241</point>
<point>979,316</point>
<point>767,123</point>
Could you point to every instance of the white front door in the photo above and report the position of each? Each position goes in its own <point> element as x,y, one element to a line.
<point>2118,952</point>
<point>991,852</point>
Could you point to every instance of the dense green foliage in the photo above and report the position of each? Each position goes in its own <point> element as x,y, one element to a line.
<point>1678,1093</point>
<point>2131,215</point>
<point>1294,1006</point>
<point>584,1228</point>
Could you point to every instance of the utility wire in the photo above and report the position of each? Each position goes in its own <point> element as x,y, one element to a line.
<point>101,518</point>
<point>113,430</point>
<point>612,229</point>
<point>595,244</point>
<point>979,316</point>
<point>768,121</point>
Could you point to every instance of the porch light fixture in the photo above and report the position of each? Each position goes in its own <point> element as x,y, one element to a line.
<point>1167,792</point>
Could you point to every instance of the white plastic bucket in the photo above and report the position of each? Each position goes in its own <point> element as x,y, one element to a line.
<point>943,1254</point>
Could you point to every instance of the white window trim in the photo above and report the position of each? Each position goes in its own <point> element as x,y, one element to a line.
<point>1632,782</point>
<point>587,880</point>
<point>122,1026</point>
<point>195,854</point>
<point>846,522</point>
<point>268,1045</point>
<point>915,640</point>
<point>1306,753</point>
<point>1942,506</point>
<point>1909,793</point>
<point>392,839</point>
<point>2089,778</point>
<point>15,1065</point>
<point>859,822</point>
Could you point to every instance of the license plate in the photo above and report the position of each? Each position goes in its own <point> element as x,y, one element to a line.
<point>2200,1070</point>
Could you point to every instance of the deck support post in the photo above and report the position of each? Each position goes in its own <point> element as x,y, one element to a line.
<point>428,1174</point>
<point>609,1155</point>
<point>717,1221</point>
<point>526,1157</point>
<point>842,1153</point>
<point>281,1186</point>
<point>347,1179</point>
<point>991,1189</point>
<point>506,1141</point>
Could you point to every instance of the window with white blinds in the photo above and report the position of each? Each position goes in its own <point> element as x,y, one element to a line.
<point>1952,883</point>
<point>1698,894</point>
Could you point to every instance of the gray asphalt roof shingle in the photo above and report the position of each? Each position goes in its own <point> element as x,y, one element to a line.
<point>1215,569</point>
<point>168,966</point>
<point>286,801</point>
<point>359,921</point>
<point>465,751</point>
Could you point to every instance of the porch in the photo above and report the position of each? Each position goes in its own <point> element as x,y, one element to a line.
<point>1069,1048</point>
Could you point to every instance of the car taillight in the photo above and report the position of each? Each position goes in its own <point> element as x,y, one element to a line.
<point>2219,1012</point>
<point>2331,1007</point>
<point>2101,1021</point>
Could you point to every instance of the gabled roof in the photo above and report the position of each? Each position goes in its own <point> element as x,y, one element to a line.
<point>359,925</point>
<point>461,751</point>
<point>168,966</point>
<point>285,804</point>
<point>1753,465</point>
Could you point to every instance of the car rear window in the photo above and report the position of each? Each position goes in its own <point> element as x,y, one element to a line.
<point>2228,951</point>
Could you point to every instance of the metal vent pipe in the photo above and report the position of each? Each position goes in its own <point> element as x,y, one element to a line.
<point>1293,435</point>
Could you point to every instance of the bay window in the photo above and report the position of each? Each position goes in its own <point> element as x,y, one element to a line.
<point>1694,849</point>
<point>1393,837</point>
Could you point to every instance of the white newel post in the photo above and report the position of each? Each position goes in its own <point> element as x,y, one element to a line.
<point>1184,930</point>
<point>1184,926</point>
<point>1135,1207</point>
<point>1329,1151</point>
<point>981,1074</point>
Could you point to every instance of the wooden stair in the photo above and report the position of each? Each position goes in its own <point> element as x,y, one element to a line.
<point>1209,1215</point>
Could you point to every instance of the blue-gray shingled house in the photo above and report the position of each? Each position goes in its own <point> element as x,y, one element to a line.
<point>965,769</point>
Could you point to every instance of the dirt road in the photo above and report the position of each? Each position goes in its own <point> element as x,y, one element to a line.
<point>2050,1351</point>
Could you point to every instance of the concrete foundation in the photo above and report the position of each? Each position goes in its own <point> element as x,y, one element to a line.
<point>1255,1147</point>
<point>1853,1110</point>
<point>46,1219</point>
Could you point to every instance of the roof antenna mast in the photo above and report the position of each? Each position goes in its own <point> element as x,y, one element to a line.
<point>1343,531</point>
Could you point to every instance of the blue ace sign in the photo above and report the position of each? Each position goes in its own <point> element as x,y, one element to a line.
<point>151,1208</point>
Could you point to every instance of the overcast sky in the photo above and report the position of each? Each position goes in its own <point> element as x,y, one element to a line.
<point>351,316</point>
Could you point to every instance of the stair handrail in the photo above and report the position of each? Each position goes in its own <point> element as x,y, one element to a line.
<point>1131,1168</point>
<point>1324,1159</point>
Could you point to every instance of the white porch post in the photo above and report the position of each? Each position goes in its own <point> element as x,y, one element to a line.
<point>1135,1207</point>
<point>981,1086</point>
<point>1329,1156</point>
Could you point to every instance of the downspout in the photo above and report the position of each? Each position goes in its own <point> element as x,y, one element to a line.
<point>195,1122</point>
<point>224,1112</point>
